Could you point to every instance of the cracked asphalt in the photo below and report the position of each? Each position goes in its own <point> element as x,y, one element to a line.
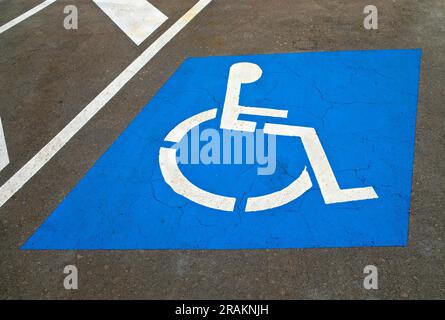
<point>49,74</point>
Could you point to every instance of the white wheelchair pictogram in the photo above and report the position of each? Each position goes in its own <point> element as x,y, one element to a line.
<point>244,73</point>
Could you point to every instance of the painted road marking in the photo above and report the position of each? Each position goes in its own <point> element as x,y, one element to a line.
<point>330,190</point>
<point>4,157</point>
<point>26,15</point>
<point>239,74</point>
<point>360,104</point>
<point>10,187</point>
<point>136,18</point>
<point>173,175</point>
<point>246,73</point>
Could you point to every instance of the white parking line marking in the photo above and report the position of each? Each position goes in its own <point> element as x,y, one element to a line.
<point>56,144</point>
<point>4,157</point>
<point>137,18</point>
<point>26,15</point>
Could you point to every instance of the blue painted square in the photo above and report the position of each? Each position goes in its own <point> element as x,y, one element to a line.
<point>363,107</point>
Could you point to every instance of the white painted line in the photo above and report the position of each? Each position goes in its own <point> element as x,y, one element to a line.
<point>137,18</point>
<point>4,157</point>
<point>56,144</point>
<point>26,15</point>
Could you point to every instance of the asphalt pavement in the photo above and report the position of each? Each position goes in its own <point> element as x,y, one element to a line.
<point>49,74</point>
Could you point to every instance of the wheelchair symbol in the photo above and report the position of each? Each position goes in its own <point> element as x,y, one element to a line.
<point>244,73</point>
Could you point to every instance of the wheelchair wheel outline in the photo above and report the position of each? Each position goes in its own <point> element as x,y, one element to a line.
<point>242,73</point>
<point>182,186</point>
